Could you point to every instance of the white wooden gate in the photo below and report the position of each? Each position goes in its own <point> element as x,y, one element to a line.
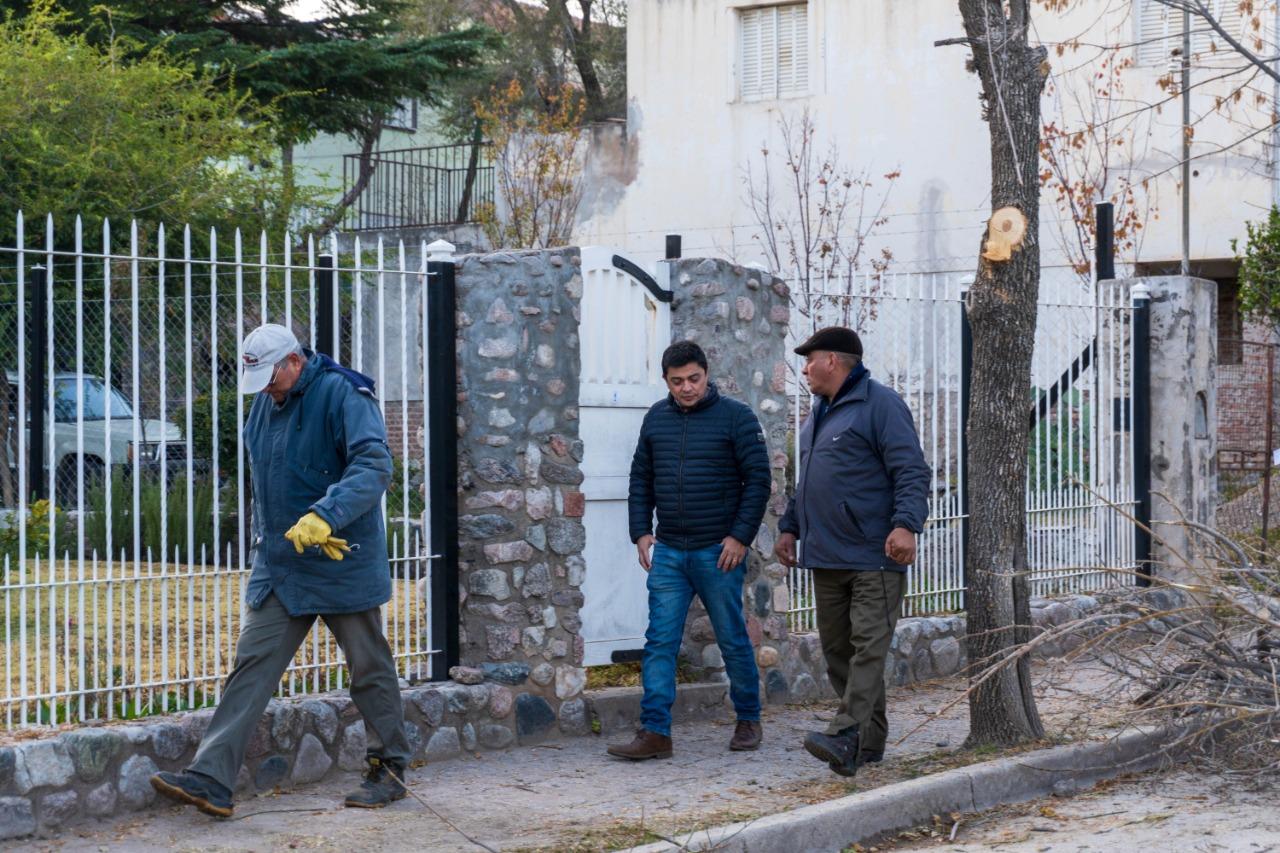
<point>626,324</point>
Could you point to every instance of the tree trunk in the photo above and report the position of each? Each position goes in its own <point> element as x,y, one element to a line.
<point>1002,313</point>
<point>369,138</point>
<point>288,188</point>
<point>582,49</point>
<point>473,168</point>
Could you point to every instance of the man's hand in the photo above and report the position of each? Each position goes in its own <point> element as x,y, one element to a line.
<point>901,546</point>
<point>731,553</point>
<point>310,530</point>
<point>643,546</point>
<point>785,549</point>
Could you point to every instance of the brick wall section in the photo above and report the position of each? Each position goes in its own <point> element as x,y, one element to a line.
<point>396,428</point>
<point>520,532</point>
<point>1242,397</point>
<point>739,316</point>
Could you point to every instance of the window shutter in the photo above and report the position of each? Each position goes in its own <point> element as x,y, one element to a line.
<point>751,56</point>
<point>1157,32</point>
<point>773,52</point>
<point>768,53</point>
<point>793,51</point>
<point>1160,31</point>
<point>1208,42</point>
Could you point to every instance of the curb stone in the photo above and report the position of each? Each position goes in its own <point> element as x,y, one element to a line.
<point>836,824</point>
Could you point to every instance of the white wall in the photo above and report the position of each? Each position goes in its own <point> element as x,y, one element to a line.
<point>891,100</point>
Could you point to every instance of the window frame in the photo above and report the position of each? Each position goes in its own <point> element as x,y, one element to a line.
<point>802,70</point>
<point>411,108</point>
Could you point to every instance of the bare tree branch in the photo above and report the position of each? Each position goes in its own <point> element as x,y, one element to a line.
<point>1202,11</point>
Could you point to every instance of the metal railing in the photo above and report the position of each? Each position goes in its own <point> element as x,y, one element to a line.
<point>414,187</point>
<point>124,532</point>
<point>1080,463</point>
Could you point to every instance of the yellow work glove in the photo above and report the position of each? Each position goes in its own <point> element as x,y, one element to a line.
<point>310,530</point>
<point>333,547</point>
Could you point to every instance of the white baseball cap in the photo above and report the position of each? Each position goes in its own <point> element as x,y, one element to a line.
<point>263,348</point>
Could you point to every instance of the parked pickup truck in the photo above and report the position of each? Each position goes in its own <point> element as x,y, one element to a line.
<point>123,450</point>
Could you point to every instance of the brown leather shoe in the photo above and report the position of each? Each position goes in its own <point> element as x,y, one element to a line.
<point>647,744</point>
<point>746,736</point>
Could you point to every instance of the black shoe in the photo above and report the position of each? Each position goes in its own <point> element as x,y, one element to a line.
<point>383,784</point>
<point>870,756</point>
<point>840,750</point>
<point>200,791</point>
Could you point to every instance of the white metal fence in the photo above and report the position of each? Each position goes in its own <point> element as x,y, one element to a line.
<point>1079,481</point>
<point>123,579</point>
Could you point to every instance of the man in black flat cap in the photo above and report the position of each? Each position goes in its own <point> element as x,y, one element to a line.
<point>861,498</point>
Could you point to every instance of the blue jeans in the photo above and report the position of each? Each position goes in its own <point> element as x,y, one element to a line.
<point>674,577</point>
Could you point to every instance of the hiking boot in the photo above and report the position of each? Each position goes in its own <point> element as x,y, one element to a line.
<point>839,750</point>
<point>200,791</point>
<point>746,736</point>
<point>647,744</point>
<point>383,784</point>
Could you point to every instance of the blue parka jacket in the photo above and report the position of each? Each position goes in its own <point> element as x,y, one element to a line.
<point>862,473</point>
<point>323,450</point>
<point>704,469</point>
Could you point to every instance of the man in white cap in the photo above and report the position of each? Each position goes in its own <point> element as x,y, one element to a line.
<point>320,465</point>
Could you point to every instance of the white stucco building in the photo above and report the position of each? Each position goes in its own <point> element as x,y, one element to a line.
<point>708,81</point>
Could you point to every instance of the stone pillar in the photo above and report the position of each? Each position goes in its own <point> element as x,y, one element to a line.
<point>1184,347</point>
<point>739,317</point>
<point>520,532</point>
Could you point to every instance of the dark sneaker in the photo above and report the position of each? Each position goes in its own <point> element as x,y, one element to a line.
<point>200,791</point>
<point>382,785</point>
<point>646,744</point>
<point>840,750</point>
<point>871,756</point>
<point>746,736</point>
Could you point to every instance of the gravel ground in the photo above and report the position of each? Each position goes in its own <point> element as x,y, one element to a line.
<point>1172,811</point>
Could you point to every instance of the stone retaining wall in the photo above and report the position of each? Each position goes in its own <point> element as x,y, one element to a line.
<point>923,647</point>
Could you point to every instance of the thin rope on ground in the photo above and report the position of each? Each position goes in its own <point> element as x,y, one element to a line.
<point>314,810</point>
<point>441,817</point>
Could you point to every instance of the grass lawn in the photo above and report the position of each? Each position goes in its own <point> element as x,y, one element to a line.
<point>148,639</point>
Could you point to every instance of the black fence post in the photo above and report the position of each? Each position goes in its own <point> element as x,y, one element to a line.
<point>326,320</point>
<point>966,374</point>
<point>37,389</point>
<point>1104,242</point>
<point>441,364</point>
<point>1141,296</point>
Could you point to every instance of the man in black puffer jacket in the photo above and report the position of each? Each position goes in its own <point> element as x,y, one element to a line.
<point>702,464</point>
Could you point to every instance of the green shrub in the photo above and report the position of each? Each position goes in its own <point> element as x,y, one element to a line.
<point>151,520</point>
<point>37,523</point>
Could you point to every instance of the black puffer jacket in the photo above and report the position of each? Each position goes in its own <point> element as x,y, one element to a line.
<point>705,470</point>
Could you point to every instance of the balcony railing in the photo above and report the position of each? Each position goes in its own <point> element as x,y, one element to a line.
<point>414,187</point>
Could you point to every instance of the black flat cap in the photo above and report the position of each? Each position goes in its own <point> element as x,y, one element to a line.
<point>832,339</point>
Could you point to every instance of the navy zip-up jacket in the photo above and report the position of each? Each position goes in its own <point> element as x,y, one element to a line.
<point>862,473</point>
<point>704,469</point>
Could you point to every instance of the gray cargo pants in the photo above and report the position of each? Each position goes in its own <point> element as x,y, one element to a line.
<point>268,641</point>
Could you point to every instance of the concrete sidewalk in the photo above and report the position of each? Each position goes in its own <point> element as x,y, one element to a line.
<point>568,795</point>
